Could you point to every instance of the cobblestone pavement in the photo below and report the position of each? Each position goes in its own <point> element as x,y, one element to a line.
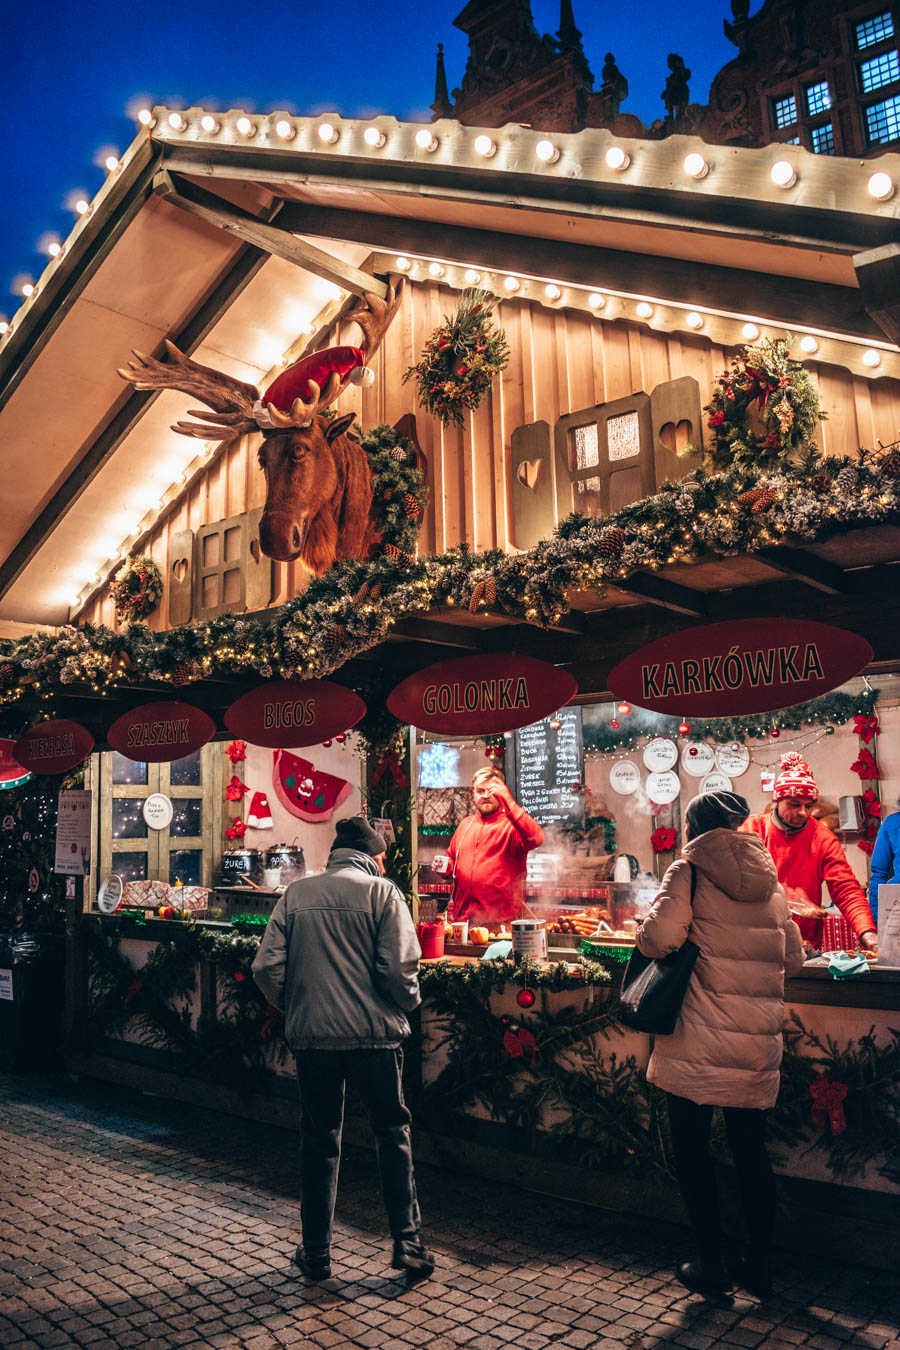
<point>126,1221</point>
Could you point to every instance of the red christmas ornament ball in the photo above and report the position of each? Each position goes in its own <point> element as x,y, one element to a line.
<point>693,751</point>
<point>684,728</point>
<point>623,709</point>
<point>774,733</point>
<point>326,744</point>
<point>525,998</point>
<point>341,737</point>
<point>615,724</point>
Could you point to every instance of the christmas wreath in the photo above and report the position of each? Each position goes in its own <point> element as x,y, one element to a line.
<point>460,359</point>
<point>765,408</point>
<point>137,589</point>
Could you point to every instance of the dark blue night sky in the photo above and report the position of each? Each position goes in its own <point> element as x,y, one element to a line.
<point>73,70</point>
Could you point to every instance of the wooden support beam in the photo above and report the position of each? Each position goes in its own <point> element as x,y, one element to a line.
<point>102,448</point>
<point>279,242</point>
<point>441,634</point>
<point>667,594</point>
<point>806,567</point>
<point>878,274</point>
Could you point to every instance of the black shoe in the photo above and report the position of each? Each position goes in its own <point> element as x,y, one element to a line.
<point>702,1279</point>
<point>314,1265</point>
<point>754,1276</point>
<point>411,1255</point>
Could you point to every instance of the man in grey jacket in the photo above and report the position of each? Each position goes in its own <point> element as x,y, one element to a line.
<point>340,958</point>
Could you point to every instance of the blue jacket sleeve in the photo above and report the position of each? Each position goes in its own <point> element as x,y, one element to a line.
<point>884,858</point>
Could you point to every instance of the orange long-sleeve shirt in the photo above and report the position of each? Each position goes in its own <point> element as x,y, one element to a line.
<point>488,854</point>
<point>806,858</point>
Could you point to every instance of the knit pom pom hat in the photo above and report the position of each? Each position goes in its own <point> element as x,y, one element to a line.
<point>795,778</point>
<point>356,832</point>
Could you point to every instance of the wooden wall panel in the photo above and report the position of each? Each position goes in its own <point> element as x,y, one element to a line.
<point>561,360</point>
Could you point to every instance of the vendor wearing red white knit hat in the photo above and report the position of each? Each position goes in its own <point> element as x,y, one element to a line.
<point>806,854</point>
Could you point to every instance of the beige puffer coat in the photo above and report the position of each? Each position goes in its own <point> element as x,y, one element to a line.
<point>726,1048</point>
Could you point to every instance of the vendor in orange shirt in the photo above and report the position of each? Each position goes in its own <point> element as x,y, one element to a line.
<point>488,851</point>
<point>806,853</point>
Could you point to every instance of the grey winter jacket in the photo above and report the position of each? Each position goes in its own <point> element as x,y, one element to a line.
<point>340,958</point>
<point>726,1046</point>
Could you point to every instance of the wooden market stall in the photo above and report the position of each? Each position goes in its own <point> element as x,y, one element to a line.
<point>570,516</point>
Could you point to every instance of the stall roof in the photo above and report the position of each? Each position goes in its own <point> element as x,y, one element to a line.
<point>231,238</point>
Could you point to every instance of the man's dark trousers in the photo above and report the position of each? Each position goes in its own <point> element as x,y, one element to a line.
<point>376,1076</point>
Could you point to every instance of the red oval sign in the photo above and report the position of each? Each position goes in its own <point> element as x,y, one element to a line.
<point>160,732</point>
<point>285,714</point>
<point>744,666</point>
<point>53,747</point>
<point>481,694</point>
<point>11,772</point>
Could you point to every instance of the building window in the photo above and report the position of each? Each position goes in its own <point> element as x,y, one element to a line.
<point>818,98</point>
<point>878,72</point>
<point>883,121</point>
<point>874,30</point>
<point>822,139</point>
<point>784,112</point>
<point>795,140</point>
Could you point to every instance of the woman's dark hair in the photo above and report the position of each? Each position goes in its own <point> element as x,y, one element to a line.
<point>716,811</point>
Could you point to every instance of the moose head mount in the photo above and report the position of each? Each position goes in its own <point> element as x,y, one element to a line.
<point>318,482</point>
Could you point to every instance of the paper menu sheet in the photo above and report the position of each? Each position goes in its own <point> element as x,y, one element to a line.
<point>888,924</point>
<point>73,833</point>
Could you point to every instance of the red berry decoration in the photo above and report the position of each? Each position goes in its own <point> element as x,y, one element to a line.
<point>774,733</point>
<point>615,724</point>
<point>525,998</point>
<point>505,1021</point>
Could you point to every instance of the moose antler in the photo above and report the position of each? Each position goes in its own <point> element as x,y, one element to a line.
<point>231,400</point>
<point>301,411</point>
<point>374,315</point>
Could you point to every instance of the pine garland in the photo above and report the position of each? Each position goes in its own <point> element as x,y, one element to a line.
<point>460,359</point>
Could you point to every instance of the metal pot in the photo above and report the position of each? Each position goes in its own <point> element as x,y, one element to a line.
<point>239,864</point>
<point>289,859</point>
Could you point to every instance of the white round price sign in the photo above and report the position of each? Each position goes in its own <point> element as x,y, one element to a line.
<point>663,788</point>
<point>733,759</point>
<point>716,782</point>
<point>158,810</point>
<point>660,754</point>
<point>624,777</point>
<point>697,759</point>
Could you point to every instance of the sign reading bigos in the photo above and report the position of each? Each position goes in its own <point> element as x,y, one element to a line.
<point>745,666</point>
<point>477,695</point>
<point>160,732</point>
<point>287,714</point>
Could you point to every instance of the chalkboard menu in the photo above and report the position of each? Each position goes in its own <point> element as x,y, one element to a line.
<point>549,762</point>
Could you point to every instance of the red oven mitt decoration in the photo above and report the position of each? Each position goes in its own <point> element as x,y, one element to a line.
<point>304,791</point>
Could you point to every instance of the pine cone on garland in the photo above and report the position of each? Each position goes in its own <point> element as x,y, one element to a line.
<point>820,482</point>
<point>388,495</point>
<point>397,555</point>
<point>490,591</point>
<point>362,594</point>
<point>612,541</point>
<point>399,454</point>
<point>334,637</point>
<point>476,597</point>
<point>412,506</point>
<point>785,414</point>
<point>7,673</point>
<point>847,479</point>
<point>890,464</point>
<point>184,673</point>
<point>758,499</point>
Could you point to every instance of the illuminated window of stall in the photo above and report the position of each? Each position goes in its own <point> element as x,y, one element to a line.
<point>587,495</point>
<point>587,447</point>
<point>623,436</point>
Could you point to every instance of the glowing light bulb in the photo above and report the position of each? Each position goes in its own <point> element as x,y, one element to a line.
<point>327,133</point>
<point>374,137</point>
<point>145,117</point>
<point>808,344</point>
<point>750,332</point>
<point>552,292</point>
<point>436,269</point>
<point>82,206</point>
<point>285,130</point>
<point>644,310</point>
<point>784,175</point>
<point>547,152</point>
<point>402,264</point>
<point>695,166</point>
<point>511,283</point>
<point>694,320</point>
<point>244,126</point>
<point>871,358</point>
<point>472,277</point>
<point>210,124</point>
<point>111,163</point>
<point>617,159</point>
<point>27,289</point>
<point>4,327</point>
<point>426,140</point>
<point>176,121</point>
<point>881,187</point>
<point>596,300</point>
<point>54,248</point>
<point>485,146</point>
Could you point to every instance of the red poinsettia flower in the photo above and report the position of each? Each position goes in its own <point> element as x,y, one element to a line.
<point>717,419</point>
<point>237,829</point>
<point>235,790</point>
<point>663,839</point>
<point>865,766</point>
<point>236,750</point>
<point>239,977</point>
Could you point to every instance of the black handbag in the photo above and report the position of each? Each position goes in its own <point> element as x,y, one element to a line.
<point>653,989</point>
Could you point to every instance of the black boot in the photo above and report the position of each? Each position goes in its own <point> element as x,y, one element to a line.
<point>411,1255</point>
<point>315,1265</point>
<point>703,1277</point>
<point>753,1274</point>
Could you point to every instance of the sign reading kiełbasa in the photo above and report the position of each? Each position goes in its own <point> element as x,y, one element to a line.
<point>744,666</point>
<point>481,694</point>
<point>53,747</point>
<point>160,732</point>
<point>288,714</point>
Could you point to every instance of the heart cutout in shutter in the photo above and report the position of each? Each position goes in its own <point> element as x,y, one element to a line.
<point>676,438</point>
<point>179,569</point>
<point>530,472</point>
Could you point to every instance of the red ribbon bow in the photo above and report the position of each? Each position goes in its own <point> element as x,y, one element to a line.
<point>519,1043</point>
<point>866,727</point>
<point>390,760</point>
<point>828,1108</point>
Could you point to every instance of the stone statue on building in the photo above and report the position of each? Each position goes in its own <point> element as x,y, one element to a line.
<point>614,86</point>
<point>676,94</point>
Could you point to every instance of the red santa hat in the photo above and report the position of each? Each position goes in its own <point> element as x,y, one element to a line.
<point>295,381</point>
<point>795,778</point>
<point>260,816</point>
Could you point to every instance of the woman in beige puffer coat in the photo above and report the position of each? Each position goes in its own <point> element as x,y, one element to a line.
<point>727,1044</point>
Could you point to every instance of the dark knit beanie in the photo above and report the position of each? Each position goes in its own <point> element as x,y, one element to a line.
<point>356,832</point>
<point>716,811</point>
